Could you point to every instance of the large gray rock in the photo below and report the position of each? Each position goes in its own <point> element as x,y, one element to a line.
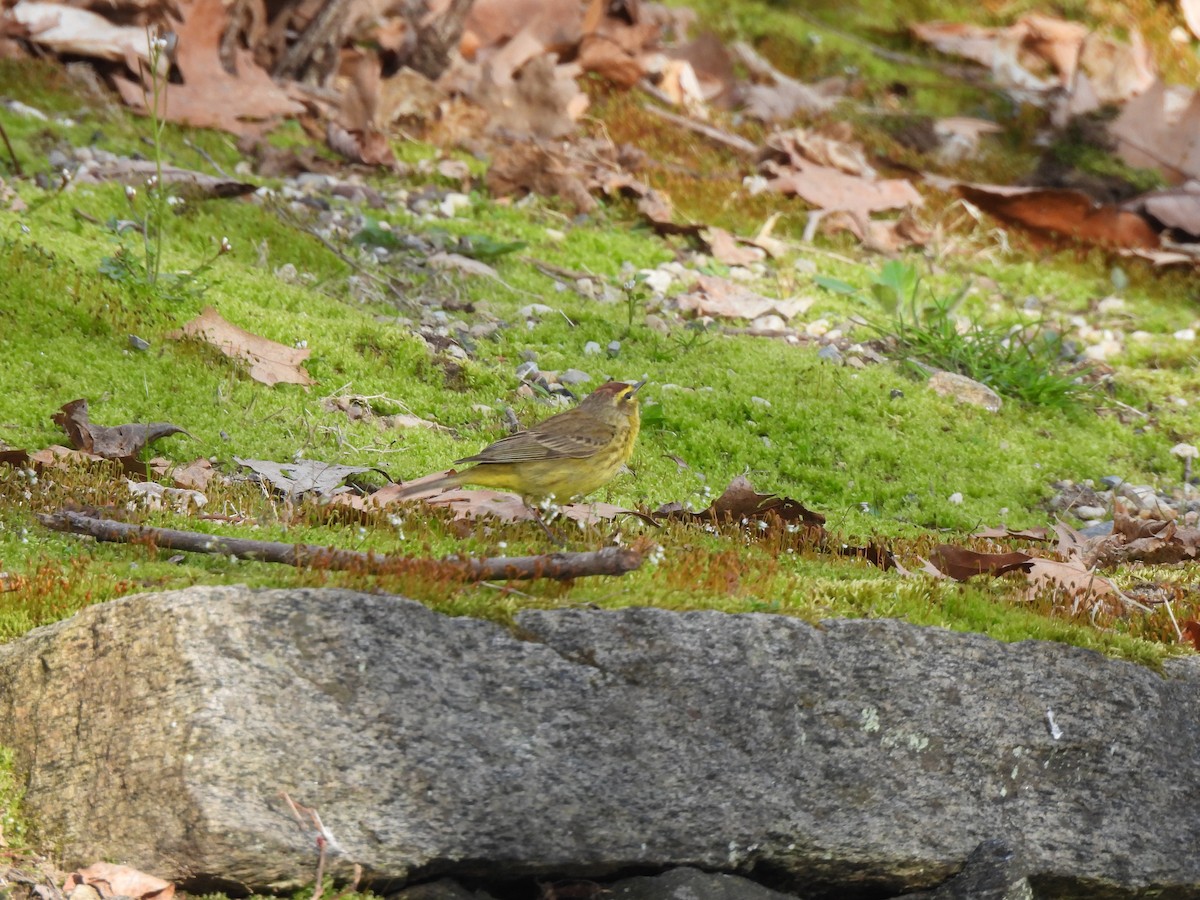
<point>856,757</point>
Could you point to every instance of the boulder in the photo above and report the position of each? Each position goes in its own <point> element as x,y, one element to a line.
<point>216,736</point>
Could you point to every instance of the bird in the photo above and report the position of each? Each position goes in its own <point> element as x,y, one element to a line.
<point>568,455</point>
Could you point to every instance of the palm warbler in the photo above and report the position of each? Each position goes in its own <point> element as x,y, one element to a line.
<point>568,455</point>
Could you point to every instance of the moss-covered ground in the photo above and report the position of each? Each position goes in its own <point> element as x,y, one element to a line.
<point>871,448</point>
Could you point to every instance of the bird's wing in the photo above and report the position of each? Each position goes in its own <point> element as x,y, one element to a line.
<point>551,439</point>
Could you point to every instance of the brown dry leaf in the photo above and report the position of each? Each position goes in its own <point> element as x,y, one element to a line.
<point>1062,212</point>
<point>1115,71</point>
<point>799,145</point>
<point>270,362</point>
<point>541,100</point>
<point>1074,582</point>
<point>960,563</point>
<point>727,249</point>
<point>827,188</point>
<point>15,458</point>
<point>739,503</point>
<point>356,133</point>
<point>407,95</point>
<point>111,880</point>
<point>1160,129</point>
<point>57,456</point>
<point>1176,209</point>
<point>119,442</point>
<point>195,476</point>
<point>530,167</point>
<point>78,32</point>
<point>557,24</point>
<point>209,96</point>
<point>880,235</point>
<point>713,296</point>
<point>1191,633</point>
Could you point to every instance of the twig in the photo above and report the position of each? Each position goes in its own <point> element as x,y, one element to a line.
<point>562,566</point>
<point>734,142</point>
<point>204,154</point>
<point>11,153</point>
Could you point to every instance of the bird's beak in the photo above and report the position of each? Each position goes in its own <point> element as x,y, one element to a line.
<point>637,387</point>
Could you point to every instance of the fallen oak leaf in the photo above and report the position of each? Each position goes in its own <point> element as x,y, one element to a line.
<point>270,361</point>
<point>120,442</point>
<point>209,96</point>
<point>111,880</point>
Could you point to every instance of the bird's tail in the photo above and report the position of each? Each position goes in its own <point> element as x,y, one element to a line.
<point>428,486</point>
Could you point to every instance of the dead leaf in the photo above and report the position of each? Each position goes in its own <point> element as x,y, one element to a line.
<point>66,29</point>
<point>1062,212</point>
<point>111,881</point>
<point>713,296</point>
<point>529,167</point>
<point>740,503</point>
<point>15,458</point>
<point>196,475</point>
<point>209,96</point>
<point>960,563</point>
<point>270,362</point>
<point>1160,129</point>
<point>1191,633</point>
<point>1079,588</point>
<point>305,476</point>
<point>120,442</point>
<point>727,249</point>
<point>827,188</point>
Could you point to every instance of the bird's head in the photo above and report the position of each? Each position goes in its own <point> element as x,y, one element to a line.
<point>615,396</point>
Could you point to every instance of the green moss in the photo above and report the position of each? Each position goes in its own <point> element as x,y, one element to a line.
<point>13,829</point>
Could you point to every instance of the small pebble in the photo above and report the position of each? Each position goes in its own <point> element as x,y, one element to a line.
<point>830,353</point>
<point>897,394</point>
<point>591,348</point>
<point>769,322</point>
<point>574,376</point>
<point>614,348</point>
<point>527,369</point>
<point>760,401</point>
<point>1089,512</point>
<point>1185,334</point>
<point>534,310</point>
<point>955,498</point>
<point>138,343</point>
<point>1112,481</point>
<point>529,355</point>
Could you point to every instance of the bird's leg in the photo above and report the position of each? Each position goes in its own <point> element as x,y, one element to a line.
<point>557,539</point>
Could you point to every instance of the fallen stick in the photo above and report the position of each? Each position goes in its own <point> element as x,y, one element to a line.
<point>562,565</point>
<point>734,142</point>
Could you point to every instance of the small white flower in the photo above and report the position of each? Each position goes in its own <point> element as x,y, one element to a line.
<point>226,246</point>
